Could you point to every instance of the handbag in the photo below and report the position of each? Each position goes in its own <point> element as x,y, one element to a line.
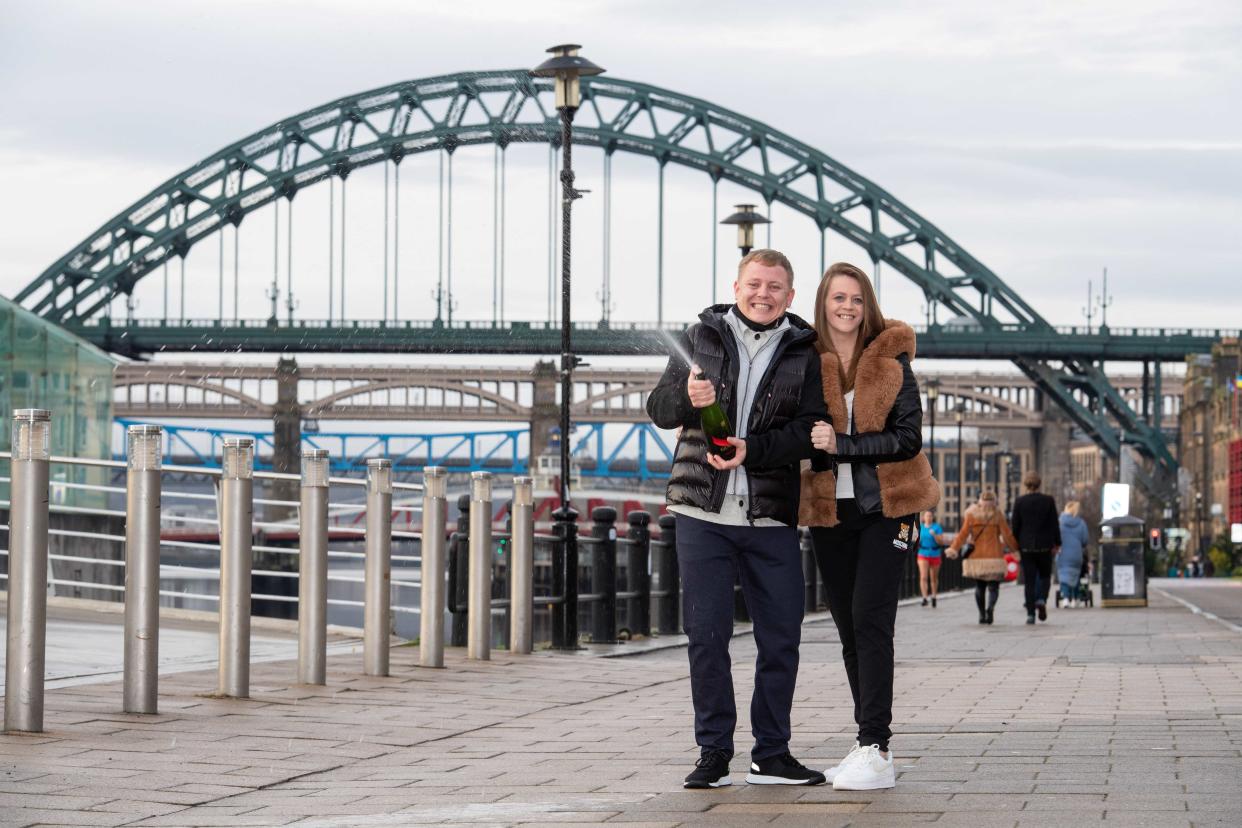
<point>968,547</point>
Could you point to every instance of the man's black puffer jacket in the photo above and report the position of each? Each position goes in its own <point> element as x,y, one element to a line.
<point>788,401</point>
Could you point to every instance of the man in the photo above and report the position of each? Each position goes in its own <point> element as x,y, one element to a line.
<point>1037,527</point>
<point>738,517</point>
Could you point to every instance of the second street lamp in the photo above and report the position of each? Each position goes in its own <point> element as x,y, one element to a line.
<point>958,411</point>
<point>745,218</point>
<point>933,393</point>
<point>566,66</point>
<point>984,442</point>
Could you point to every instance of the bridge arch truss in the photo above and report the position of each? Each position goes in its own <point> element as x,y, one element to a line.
<point>503,107</point>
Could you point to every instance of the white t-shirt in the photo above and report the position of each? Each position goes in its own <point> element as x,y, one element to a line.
<point>845,474</point>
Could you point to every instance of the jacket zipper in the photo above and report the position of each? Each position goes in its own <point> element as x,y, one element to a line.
<point>750,361</point>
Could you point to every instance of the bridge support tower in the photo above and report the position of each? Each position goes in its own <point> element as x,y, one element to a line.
<point>287,438</point>
<point>544,413</point>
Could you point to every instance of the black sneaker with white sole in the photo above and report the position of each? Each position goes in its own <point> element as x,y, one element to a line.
<point>711,771</point>
<point>783,770</point>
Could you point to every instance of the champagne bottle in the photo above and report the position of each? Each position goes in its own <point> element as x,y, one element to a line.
<point>717,428</point>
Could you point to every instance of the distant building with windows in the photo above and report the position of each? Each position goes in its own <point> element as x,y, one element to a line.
<point>1210,447</point>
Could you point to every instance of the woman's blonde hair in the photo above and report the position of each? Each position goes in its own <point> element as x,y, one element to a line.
<point>986,509</point>
<point>872,323</point>
<point>1073,507</point>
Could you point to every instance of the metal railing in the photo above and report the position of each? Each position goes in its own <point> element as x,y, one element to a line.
<point>500,587</point>
<point>32,564</point>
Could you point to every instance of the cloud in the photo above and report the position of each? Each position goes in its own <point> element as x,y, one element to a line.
<point>1047,140</point>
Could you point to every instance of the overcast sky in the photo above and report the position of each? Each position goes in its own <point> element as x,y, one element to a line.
<point>1050,140</point>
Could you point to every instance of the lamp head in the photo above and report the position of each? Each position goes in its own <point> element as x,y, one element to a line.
<point>745,218</point>
<point>566,66</point>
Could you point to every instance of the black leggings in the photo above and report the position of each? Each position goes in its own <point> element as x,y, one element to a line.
<point>993,591</point>
<point>862,560</point>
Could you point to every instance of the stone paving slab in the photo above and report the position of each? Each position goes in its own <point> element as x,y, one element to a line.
<point>1112,717</point>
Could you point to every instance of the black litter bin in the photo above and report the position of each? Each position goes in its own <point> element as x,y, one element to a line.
<point>1123,573</point>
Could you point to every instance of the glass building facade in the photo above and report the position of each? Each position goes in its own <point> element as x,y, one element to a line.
<point>44,366</point>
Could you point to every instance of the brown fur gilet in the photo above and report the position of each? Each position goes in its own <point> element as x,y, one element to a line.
<point>906,487</point>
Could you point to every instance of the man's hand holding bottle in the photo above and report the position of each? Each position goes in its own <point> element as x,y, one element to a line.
<point>721,442</point>
<point>700,391</point>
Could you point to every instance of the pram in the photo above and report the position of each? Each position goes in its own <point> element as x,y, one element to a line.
<point>1082,590</point>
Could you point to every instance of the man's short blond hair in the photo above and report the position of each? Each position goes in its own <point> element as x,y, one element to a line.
<point>769,258</point>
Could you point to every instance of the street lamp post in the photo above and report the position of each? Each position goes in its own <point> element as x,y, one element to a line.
<point>958,411</point>
<point>933,393</point>
<point>566,66</point>
<point>745,218</point>
<point>984,442</point>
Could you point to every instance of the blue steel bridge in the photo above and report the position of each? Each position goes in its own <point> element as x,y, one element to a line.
<point>970,311</point>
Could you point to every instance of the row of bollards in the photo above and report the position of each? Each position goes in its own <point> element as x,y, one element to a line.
<point>28,568</point>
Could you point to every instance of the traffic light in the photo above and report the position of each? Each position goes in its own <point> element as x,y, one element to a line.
<point>1153,537</point>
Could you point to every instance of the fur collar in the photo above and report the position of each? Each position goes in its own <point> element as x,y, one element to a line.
<point>877,381</point>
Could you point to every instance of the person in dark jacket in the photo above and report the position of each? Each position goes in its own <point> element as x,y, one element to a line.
<point>739,517</point>
<point>1037,527</point>
<point>868,481</point>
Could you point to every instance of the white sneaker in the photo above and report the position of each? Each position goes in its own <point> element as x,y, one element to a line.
<point>865,769</point>
<point>831,773</point>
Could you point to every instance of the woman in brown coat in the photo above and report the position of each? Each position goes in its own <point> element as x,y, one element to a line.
<point>869,481</point>
<point>985,527</point>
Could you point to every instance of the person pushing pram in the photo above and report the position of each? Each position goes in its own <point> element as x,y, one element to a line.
<point>1073,570</point>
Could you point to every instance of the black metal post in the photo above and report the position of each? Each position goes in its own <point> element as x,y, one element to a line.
<point>558,584</point>
<point>459,575</point>
<point>568,194</point>
<point>566,571</point>
<point>604,530</point>
<point>931,448</point>
<point>670,578</point>
<point>638,572</point>
<point>809,573</point>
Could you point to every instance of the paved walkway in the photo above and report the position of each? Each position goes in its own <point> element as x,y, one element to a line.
<point>1121,717</point>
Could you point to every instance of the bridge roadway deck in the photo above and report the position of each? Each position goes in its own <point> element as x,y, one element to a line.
<point>1119,717</point>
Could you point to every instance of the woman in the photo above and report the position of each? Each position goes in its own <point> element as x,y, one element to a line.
<point>869,479</point>
<point>984,526</point>
<point>1074,539</point>
<point>929,557</point>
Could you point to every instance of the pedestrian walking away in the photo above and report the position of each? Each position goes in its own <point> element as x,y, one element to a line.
<point>1070,559</point>
<point>988,535</point>
<point>745,408</point>
<point>868,480</point>
<point>930,557</point>
<point>1038,530</point>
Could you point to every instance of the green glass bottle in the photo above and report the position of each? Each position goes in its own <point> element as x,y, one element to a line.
<point>717,428</point>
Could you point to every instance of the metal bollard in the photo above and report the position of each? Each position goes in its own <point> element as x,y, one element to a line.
<point>376,625</point>
<point>670,578</point>
<point>27,610</point>
<point>522,567</point>
<point>639,572</point>
<point>236,538</point>
<point>565,574</point>
<point>604,531</point>
<point>435,515</point>
<point>809,571</point>
<point>459,573</point>
<point>142,569</point>
<point>313,568</point>
<point>479,608</point>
